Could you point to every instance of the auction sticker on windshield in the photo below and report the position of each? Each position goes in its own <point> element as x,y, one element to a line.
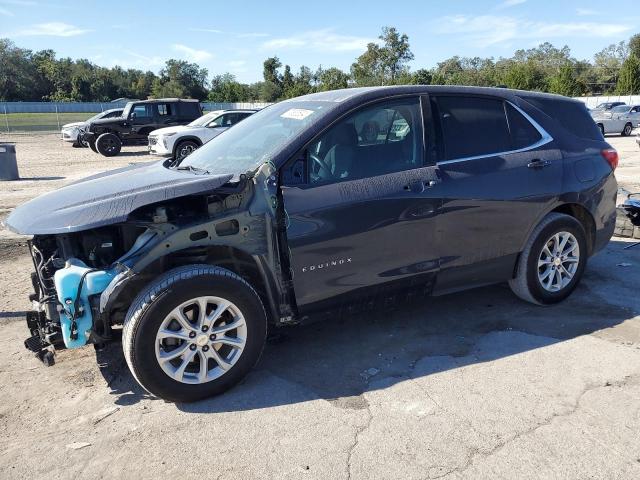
<point>297,113</point>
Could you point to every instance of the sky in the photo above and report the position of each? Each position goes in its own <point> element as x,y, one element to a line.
<point>236,35</point>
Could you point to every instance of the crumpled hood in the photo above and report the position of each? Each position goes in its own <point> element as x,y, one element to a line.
<point>107,198</point>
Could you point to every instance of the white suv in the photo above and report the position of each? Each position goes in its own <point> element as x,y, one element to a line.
<point>179,141</point>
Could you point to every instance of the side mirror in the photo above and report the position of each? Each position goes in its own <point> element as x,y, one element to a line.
<point>294,174</point>
<point>132,116</point>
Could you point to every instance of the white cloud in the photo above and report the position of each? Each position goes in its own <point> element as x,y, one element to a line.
<point>487,30</point>
<point>192,54</point>
<point>510,3</point>
<point>6,13</point>
<point>585,12</point>
<point>237,66</point>
<point>136,60</point>
<point>51,29</point>
<point>208,30</point>
<point>320,40</point>
<point>253,35</point>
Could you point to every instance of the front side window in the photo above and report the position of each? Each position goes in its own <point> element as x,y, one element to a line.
<point>376,140</point>
<point>472,126</point>
<point>142,111</point>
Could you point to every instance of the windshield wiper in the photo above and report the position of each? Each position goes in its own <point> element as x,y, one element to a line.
<point>191,168</point>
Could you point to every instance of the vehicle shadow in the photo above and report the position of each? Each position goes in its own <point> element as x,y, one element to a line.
<point>340,359</point>
<point>31,179</point>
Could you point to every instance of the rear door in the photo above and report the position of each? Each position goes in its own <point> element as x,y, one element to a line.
<point>499,171</point>
<point>360,209</point>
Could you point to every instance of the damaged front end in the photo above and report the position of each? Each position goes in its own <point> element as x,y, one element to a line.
<point>72,272</point>
<point>85,279</point>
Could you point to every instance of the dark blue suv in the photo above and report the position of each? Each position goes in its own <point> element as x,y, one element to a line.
<point>331,202</point>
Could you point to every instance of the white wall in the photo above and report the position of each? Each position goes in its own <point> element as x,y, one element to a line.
<point>593,101</point>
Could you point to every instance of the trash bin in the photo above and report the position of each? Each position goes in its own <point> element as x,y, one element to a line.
<point>8,163</point>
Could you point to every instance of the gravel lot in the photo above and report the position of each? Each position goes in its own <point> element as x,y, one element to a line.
<point>472,385</point>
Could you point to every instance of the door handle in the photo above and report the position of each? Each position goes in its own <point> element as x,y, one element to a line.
<point>418,186</point>
<point>537,163</point>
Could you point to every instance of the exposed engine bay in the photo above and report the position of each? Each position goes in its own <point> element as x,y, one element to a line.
<point>76,273</point>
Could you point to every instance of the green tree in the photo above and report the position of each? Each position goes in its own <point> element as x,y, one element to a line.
<point>565,83</point>
<point>395,53</point>
<point>383,65</point>
<point>524,76</point>
<point>181,79</point>
<point>634,45</point>
<point>332,79</point>
<point>225,88</point>
<point>270,70</point>
<point>629,81</point>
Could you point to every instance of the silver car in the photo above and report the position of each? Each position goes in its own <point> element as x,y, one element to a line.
<point>622,119</point>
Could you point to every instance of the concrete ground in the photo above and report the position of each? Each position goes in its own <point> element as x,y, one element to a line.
<point>472,385</point>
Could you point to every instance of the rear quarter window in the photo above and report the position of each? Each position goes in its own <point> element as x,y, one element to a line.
<point>571,115</point>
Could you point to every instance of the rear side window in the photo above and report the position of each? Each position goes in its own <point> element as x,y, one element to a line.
<point>165,109</point>
<point>190,109</point>
<point>523,134</point>
<point>472,126</point>
<point>573,116</point>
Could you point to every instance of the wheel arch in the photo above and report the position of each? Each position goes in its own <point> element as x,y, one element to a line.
<point>250,267</point>
<point>584,216</point>
<point>184,139</point>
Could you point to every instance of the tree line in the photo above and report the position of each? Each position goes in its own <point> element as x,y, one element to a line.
<point>26,75</point>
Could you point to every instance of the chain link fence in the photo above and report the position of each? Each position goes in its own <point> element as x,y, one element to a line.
<point>49,117</point>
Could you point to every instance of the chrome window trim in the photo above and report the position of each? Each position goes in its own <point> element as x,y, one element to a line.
<point>546,138</point>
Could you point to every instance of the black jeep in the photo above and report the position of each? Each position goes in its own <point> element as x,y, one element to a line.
<point>332,202</point>
<point>138,119</point>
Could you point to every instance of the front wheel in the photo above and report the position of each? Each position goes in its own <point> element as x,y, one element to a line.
<point>552,262</point>
<point>628,128</point>
<point>108,144</point>
<point>184,149</point>
<point>193,333</point>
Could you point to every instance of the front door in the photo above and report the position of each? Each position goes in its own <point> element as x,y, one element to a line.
<point>362,221</point>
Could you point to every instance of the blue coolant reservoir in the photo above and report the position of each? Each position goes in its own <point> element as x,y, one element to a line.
<point>67,281</point>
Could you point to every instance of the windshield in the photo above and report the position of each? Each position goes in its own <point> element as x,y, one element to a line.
<point>620,109</point>
<point>100,115</point>
<point>255,140</point>
<point>203,120</point>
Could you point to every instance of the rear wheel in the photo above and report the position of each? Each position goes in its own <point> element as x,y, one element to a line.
<point>108,144</point>
<point>627,130</point>
<point>185,149</point>
<point>193,333</point>
<point>552,262</point>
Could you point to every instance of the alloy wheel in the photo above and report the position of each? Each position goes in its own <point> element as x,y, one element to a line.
<point>201,339</point>
<point>558,261</point>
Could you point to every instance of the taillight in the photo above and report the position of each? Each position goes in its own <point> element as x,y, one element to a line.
<point>611,156</point>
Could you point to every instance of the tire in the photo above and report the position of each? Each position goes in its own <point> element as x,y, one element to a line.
<point>184,149</point>
<point>628,128</point>
<point>108,144</point>
<point>156,304</point>
<point>601,127</point>
<point>92,146</point>
<point>528,283</point>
